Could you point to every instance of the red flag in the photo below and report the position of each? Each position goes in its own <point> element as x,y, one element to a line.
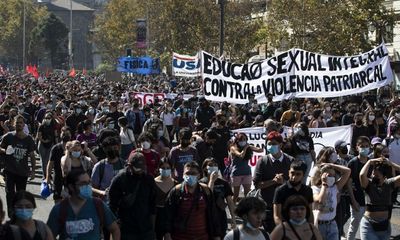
<point>72,73</point>
<point>35,73</point>
<point>29,69</point>
<point>84,72</point>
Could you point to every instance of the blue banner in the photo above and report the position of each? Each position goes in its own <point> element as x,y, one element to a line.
<point>139,65</point>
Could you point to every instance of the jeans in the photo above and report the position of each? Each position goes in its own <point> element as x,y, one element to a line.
<point>14,183</point>
<point>309,161</point>
<point>354,222</point>
<point>368,233</point>
<point>44,154</point>
<point>329,231</point>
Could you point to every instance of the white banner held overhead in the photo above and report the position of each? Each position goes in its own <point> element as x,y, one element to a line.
<point>321,136</point>
<point>295,74</point>
<point>185,66</point>
<point>325,136</point>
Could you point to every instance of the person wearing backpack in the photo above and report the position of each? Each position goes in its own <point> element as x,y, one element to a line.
<point>132,197</point>
<point>9,231</point>
<point>252,211</point>
<point>24,205</point>
<point>81,216</point>
<point>191,210</point>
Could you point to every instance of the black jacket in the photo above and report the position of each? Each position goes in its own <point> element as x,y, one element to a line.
<point>172,206</point>
<point>134,217</point>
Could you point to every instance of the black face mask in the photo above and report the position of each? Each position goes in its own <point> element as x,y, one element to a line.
<point>66,138</point>
<point>112,153</point>
<point>344,150</point>
<point>359,122</point>
<point>185,143</point>
<point>136,105</point>
<point>375,180</point>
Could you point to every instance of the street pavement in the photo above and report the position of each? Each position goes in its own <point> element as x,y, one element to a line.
<point>44,205</point>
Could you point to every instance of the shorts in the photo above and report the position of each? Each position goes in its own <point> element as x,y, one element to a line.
<point>241,180</point>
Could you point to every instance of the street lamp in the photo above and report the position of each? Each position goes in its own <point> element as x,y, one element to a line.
<point>221,26</point>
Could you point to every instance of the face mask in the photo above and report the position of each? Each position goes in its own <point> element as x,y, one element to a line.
<point>299,132</point>
<point>66,138</point>
<point>364,152</point>
<point>160,133</point>
<point>111,125</point>
<point>85,191</point>
<point>63,111</point>
<point>21,110</point>
<point>371,117</point>
<point>359,122</point>
<point>185,143</point>
<point>344,150</point>
<point>76,154</point>
<point>273,149</point>
<point>135,105</point>
<point>106,109</point>
<point>112,154</point>
<point>145,145</point>
<point>165,172</point>
<point>330,181</point>
<point>78,110</point>
<point>24,213</point>
<point>375,180</point>
<point>333,158</point>
<point>242,143</point>
<point>298,222</point>
<point>212,169</point>
<point>191,180</point>
<point>248,225</point>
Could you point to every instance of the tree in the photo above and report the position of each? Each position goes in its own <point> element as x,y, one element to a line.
<point>11,27</point>
<point>330,27</point>
<point>52,33</point>
<point>181,26</point>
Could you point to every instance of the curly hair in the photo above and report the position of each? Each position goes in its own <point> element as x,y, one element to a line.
<point>250,203</point>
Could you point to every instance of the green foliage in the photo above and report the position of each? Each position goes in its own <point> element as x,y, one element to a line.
<point>181,26</point>
<point>330,26</point>
<point>52,33</point>
<point>104,67</point>
<point>11,27</point>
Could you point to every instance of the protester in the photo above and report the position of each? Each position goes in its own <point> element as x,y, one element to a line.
<point>252,211</point>
<point>294,186</point>
<point>295,213</point>
<point>378,188</point>
<point>241,152</point>
<point>191,209</point>
<point>75,160</point>
<point>24,205</point>
<point>164,183</point>
<point>132,196</point>
<point>127,136</point>
<point>222,193</point>
<point>17,147</point>
<point>326,185</point>
<point>80,216</point>
<point>9,231</point>
<point>56,153</point>
<point>271,172</point>
<point>46,136</point>
<point>152,157</point>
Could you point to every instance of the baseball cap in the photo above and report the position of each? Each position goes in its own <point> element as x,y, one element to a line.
<point>376,140</point>
<point>340,143</point>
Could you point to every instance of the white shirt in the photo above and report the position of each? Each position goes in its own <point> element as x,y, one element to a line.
<point>327,209</point>
<point>280,159</point>
<point>168,118</point>
<point>127,137</point>
<point>244,235</point>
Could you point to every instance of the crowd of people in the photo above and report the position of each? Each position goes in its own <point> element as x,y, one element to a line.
<point>170,168</point>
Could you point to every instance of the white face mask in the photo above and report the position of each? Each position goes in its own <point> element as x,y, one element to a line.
<point>371,117</point>
<point>146,145</point>
<point>330,181</point>
<point>333,158</point>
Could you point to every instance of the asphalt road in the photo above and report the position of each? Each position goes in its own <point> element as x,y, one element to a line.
<point>44,205</point>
